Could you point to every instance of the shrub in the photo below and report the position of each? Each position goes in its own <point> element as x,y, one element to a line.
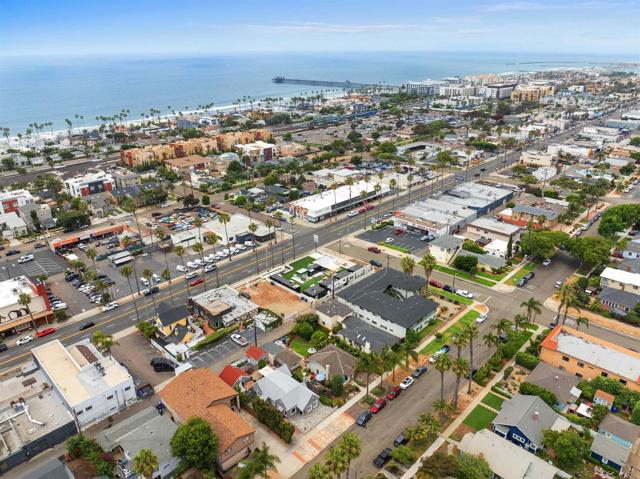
<point>472,246</point>
<point>310,318</point>
<point>304,330</point>
<point>482,375</point>
<point>495,361</point>
<point>534,390</point>
<point>337,385</point>
<point>466,263</point>
<point>269,415</point>
<point>326,400</point>
<point>319,339</point>
<point>404,455</point>
<point>526,360</point>
<point>507,372</point>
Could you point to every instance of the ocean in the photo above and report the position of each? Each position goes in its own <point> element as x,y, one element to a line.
<point>36,89</point>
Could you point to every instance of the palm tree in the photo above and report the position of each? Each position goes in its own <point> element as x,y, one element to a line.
<point>430,423</point>
<point>442,364</point>
<point>336,461</point>
<point>408,346</point>
<point>126,241</point>
<point>278,215</point>
<point>127,271</point>
<point>252,229</point>
<point>198,248</point>
<point>377,188</point>
<point>145,463</point>
<point>568,299</point>
<point>471,332</point>
<point>212,239</point>
<point>428,262</point>
<point>533,307</point>
<point>443,408</point>
<point>409,180</point>
<point>393,183</point>
<point>319,471</point>
<point>269,224</point>
<point>368,363</point>
<point>102,341</point>
<point>148,275</point>
<point>459,340</point>
<point>129,205</point>
<point>581,320</point>
<point>179,251</point>
<point>263,461</point>
<point>24,299</point>
<point>91,254</point>
<point>166,276</point>
<point>490,340</point>
<point>349,183</point>
<point>407,263</point>
<point>389,359</point>
<point>364,195</point>
<point>351,447</point>
<point>224,218</point>
<point>460,368</point>
<point>519,321</point>
<point>503,326</point>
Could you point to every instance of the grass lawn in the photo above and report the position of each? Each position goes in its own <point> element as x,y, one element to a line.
<point>479,418</point>
<point>464,275</point>
<point>402,249</point>
<point>493,401</point>
<point>492,276</point>
<point>300,346</point>
<point>448,295</point>
<point>297,265</point>
<point>423,333</point>
<point>521,337</point>
<point>436,344</point>
<point>311,282</point>
<point>527,268</point>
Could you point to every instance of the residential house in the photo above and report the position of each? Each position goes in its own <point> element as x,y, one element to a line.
<point>559,382</point>
<point>444,248</point>
<point>254,355</point>
<point>284,392</point>
<point>632,250</point>
<point>331,361</point>
<point>522,214</point>
<point>365,336</point>
<point>493,229</point>
<point>144,430</point>
<point>603,398</point>
<point>630,265</point>
<point>184,166</point>
<point>588,357</point>
<point>522,419</point>
<point>100,204</point>
<point>486,260</point>
<point>37,216</point>
<point>617,301</point>
<point>12,226</point>
<point>272,350</point>
<point>622,280</point>
<point>173,323</point>
<point>619,430</point>
<point>609,452</point>
<point>377,298</point>
<point>331,313</point>
<point>200,393</point>
<point>234,376</point>
<point>287,358</point>
<point>124,178</point>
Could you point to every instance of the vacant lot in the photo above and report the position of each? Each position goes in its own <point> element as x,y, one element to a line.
<point>272,297</point>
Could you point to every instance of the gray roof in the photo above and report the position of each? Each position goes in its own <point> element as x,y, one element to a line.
<point>339,361</point>
<point>630,265</point>
<point>486,259</point>
<point>168,315</point>
<point>288,358</point>
<point>620,428</point>
<point>535,211</point>
<point>610,449</point>
<point>54,468</point>
<point>279,387</point>
<point>271,348</point>
<point>447,242</point>
<point>369,294</point>
<point>553,379</point>
<point>331,307</point>
<point>617,297</point>
<point>530,414</point>
<point>633,247</point>
<point>361,333</point>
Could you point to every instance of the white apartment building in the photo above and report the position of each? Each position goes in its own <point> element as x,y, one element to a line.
<point>426,87</point>
<point>621,280</point>
<point>92,386</point>
<point>499,90</point>
<point>10,201</point>
<point>457,90</point>
<point>536,158</point>
<point>89,183</point>
<point>600,133</point>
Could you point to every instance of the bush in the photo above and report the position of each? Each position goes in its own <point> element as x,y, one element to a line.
<point>404,455</point>
<point>269,415</point>
<point>304,330</point>
<point>526,360</point>
<point>326,400</point>
<point>482,375</point>
<point>501,391</point>
<point>466,263</point>
<point>319,339</point>
<point>495,361</point>
<point>507,372</point>
<point>472,246</point>
<point>337,385</point>
<point>534,390</point>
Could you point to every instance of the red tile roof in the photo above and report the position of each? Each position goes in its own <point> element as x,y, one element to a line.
<point>230,374</point>
<point>255,353</point>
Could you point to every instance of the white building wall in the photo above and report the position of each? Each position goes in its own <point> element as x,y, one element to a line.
<point>99,406</point>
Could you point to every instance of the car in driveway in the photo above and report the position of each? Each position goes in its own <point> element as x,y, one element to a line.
<point>45,332</point>
<point>419,371</point>
<point>383,458</point>
<point>546,262</point>
<point>238,339</point>
<point>406,383</point>
<point>24,340</point>
<point>374,249</point>
<point>363,418</point>
<point>394,393</point>
<point>378,405</point>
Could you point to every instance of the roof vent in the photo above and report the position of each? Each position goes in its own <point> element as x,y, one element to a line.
<point>536,416</point>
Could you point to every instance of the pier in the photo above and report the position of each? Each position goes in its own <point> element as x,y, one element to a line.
<point>336,84</point>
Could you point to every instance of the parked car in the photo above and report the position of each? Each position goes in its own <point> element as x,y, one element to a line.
<point>406,382</point>
<point>482,318</point>
<point>398,231</point>
<point>145,391</point>
<point>24,340</point>
<point>209,268</point>
<point>419,371</point>
<point>238,339</point>
<point>522,282</point>
<point>156,278</point>
<point>25,258</point>
<point>58,306</point>
<point>400,440</point>
<point>181,268</point>
<point>383,458</point>
<point>150,291</point>
<point>546,262</point>
<point>394,393</point>
<point>435,284</point>
<point>45,332</point>
<point>558,284</point>
<point>191,275</point>
<point>363,418</point>
<point>375,263</point>
<point>374,249</point>
<point>448,288</point>
<point>464,293</point>
<point>3,347</point>
<point>162,364</point>
<point>145,282</point>
<point>530,275</point>
<point>378,405</point>
<point>12,252</point>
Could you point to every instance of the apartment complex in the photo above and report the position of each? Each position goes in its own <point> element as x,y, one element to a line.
<point>10,201</point>
<point>89,183</point>
<point>620,280</point>
<point>531,93</point>
<point>222,307</point>
<point>185,165</point>
<point>588,357</point>
<point>258,151</point>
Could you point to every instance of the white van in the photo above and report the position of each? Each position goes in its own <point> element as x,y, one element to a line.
<point>145,282</point>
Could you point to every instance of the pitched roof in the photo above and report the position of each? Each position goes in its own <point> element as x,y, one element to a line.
<point>338,360</point>
<point>486,259</point>
<point>553,379</point>
<point>620,428</point>
<point>617,297</point>
<point>633,246</point>
<point>530,414</point>
<point>167,315</point>
<point>610,449</point>
<point>361,333</point>
<point>271,348</point>
<point>532,210</point>
<point>447,242</point>
<point>227,425</point>
<point>279,386</point>
<point>289,358</point>
<point>255,353</point>
<point>230,374</point>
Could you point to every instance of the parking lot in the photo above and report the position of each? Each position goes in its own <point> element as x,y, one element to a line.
<point>135,353</point>
<point>206,357</point>
<point>408,240</point>
<point>44,262</point>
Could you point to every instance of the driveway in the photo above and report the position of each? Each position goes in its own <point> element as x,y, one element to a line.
<point>213,353</point>
<point>410,241</point>
<point>135,353</point>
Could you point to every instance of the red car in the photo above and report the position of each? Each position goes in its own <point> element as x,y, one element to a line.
<point>196,282</point>
<point>45,332</point>
<point>374,249</point>
<point>398,232</point>
<point>617,254</point>
<point>370,207</point>
<point>435,284</point>
<point>394,393</point>
<point>361,210</point>
<point>378,405</point>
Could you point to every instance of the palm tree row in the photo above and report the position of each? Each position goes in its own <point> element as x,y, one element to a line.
<point>338,459</point>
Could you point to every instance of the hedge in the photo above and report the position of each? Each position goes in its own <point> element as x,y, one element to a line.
<point>501,391</point>
<point>215,336</point>
<point>526,360</point>
<point>271,417</point>
<point>534,390</point>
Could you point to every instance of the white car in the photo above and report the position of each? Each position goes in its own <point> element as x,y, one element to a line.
<point>481,319</point>
<point>58,306</point>
<point>24,340</point>
<point>249,244</point>
<point>241,247</point>
<point>389,240</point>
<point>192,265</point>
<point>546,262</point>
<point>406,382</point>
<point>164,205</point>
<point>25,258</point>
<point>209,268</point>
<point>181,268</point>
<point>464,293</point>
<point>351,214</point>
<point>191,275</point>
<point>239,340</point>
<point>110,306</point>
<point>156,278</point>
<point>208,260</point>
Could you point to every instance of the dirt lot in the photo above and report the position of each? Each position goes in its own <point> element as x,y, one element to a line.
<point>136,353</point>
<point>275,298</point>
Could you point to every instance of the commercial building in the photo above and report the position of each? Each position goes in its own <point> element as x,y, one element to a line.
<point>573,149</point>
<point>531,93</point>
<point>317,207</point>
<point>492,229</point>
<point>200,393</point>
<point>258,151</point>
<point>92,386</point>
<point>621,280</point>
<point>222,307</point>
<point>536,158</point>
<point>600,133</point>
<point>236,230</point>
<point>10,201</point>
<point>377,298</point>
<point>89,183</point>
<point>588,357</point>
<point>426,87</point>
<point>33,417</point>
<point>15,318</point>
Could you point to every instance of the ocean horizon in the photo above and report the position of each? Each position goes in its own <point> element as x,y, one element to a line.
<point>50,89</point>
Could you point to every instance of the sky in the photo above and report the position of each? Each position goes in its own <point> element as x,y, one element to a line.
<point>201,27</point>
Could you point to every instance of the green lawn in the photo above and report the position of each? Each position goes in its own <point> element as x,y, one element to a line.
<point>452,296</point>
<point>402,249</point>
<point>479,418</point>
<point>423,333</point>
<point>300,346</point>
<point>527,268</point>
<point>311,282</point>
<point>492,276</point>
<point>297,265</point>
<point>493,401</point>
<point>464,275</point>
<point>521,337</point>
<point>436,344</point>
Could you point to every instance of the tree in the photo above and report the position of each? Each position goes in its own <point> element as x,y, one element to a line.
<point>442,365</point>
<point>428,263</point>
<point>199,250</point>
<point>336,461</point>
<point>252,229</point>
<point>145,463</point>
<point>568,299</point>
<point>568,446</point>
<point>472,467</point>
<point>148,275</point>
<point>319,471</point>
<point>196,444</point>
<point>211,239</point>
<point>404,455</point>
<point>351,447</point>
<point>368,363</point>
<point>262,461</point>
<point>460,368</point>
<point>437,466</point>
<point>533,307</point>
<point>471,332</point>
<point>91,254</point>
<point>407,263</point>
<point>24,299</point>
<point>102,341</point>
<point>466,263</point>
<point>127,271</point>
<point>224,218</point>
<point>337,384</point>
<point>409,344</point>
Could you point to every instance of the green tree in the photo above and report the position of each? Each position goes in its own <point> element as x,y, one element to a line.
<point>407,263</point>
<point>568,446</point>
<point>466,263</point>
<point>148,275</point>
<point>472,467</point>
<point>145,462</point>
<point>127,271</point>
<point>319,471</point>
<point>195,444</point>
<point>24,299</point>
<point>442,365</point>
<point>460,368</point>
<point>102,341</point>
<point>428,263</point>
<point>533,307</point>
<point>471,332</point>
<point>368,363</point>
<point>351,447</point>
<point>263,461</point>
<point>336,461</point>
<point>568,299</point>
<point>404,455</point>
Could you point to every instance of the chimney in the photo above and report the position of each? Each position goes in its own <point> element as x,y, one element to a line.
<point>557,377</point>
<point>536,416</point>
<point>328,371</point>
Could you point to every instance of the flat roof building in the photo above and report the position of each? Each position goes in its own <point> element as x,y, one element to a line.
<point>89,183</point>
<point>222,306</point>
<point>493,229</point>
<point>15,317</point>
<point>12,200</point>
<point>237,229</point>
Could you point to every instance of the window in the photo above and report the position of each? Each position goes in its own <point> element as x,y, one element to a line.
<point>578,375</point>
<point>88,408</point>
<point>127,388</point>
<point>518,438</point>
<point>580,365</point>
<point>109,397</point>
<point>565,359</point>
<point>604,375</point>
<point>605,460</point>
<point>78,413</point>
<point>622,381</point>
